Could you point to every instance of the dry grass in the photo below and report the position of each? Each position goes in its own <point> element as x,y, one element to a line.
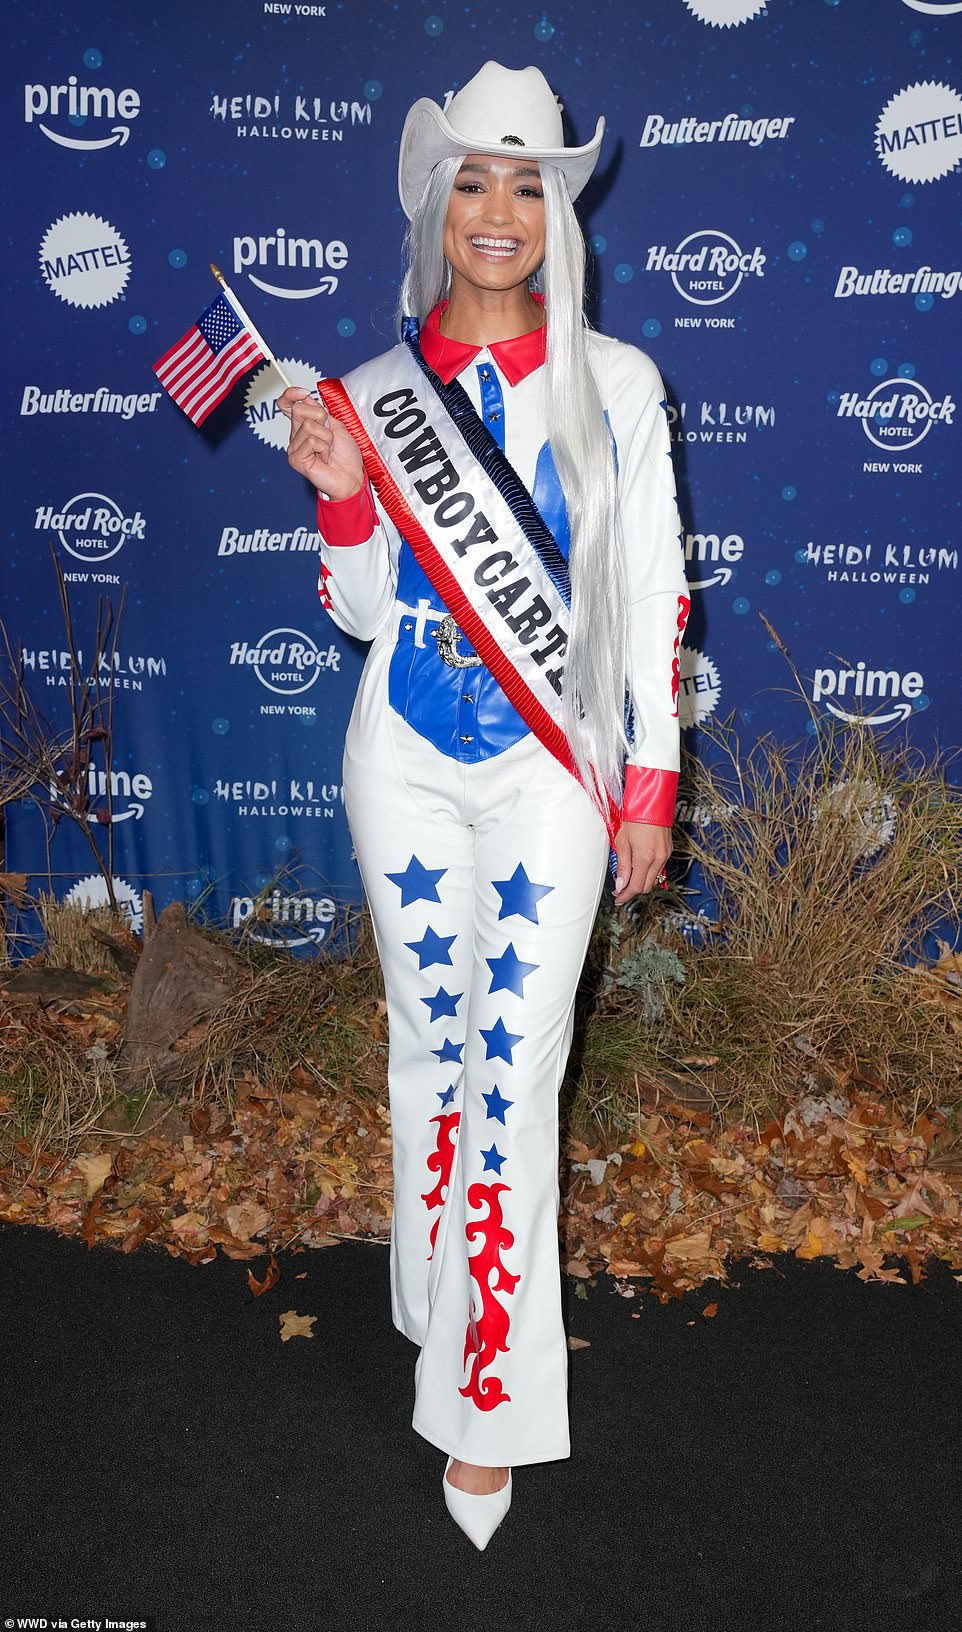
<point>831,866</point>
<point>54,1085</point>
<point>70,935</point>
<point>324,1016</point>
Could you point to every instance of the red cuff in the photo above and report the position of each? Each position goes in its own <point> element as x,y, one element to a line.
<point>649,796</point>
<point>346,522</point>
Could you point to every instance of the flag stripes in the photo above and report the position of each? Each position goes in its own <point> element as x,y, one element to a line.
<point>200,369</point>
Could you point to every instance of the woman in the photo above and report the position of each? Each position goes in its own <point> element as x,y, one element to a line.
<point>517,565</point>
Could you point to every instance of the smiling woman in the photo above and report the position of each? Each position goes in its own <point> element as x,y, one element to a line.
<point>497,515</point>
<point>494,236</point>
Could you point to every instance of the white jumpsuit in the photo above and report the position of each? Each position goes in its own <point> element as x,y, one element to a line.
<point>483,862</point>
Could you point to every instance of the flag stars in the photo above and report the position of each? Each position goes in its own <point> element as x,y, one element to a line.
<point>496,1104</point>
<point>520,896</point>
<point>443,1005</point>
<point>449,1051</point>
<point>500,1042</point>
<point>432,948</point>
<point>493,1160</point>
<point>417,882</point>
<point>509,972</point>
<point>448,1094</point>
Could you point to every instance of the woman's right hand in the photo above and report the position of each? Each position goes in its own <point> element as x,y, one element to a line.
<point>319,447</point>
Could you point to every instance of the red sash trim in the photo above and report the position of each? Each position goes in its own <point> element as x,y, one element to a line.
<point>535,716</point>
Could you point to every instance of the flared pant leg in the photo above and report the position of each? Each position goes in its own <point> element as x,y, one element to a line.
<point>483,882</point>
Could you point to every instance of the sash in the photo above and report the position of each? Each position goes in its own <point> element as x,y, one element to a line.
<point>473,527</point>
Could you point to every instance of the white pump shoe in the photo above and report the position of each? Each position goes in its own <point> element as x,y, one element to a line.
<point>478,1516</point>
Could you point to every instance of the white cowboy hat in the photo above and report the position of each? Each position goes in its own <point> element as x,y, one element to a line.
<point>500,110</point>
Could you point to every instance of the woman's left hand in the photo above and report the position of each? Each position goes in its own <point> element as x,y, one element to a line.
<point>642,851</point>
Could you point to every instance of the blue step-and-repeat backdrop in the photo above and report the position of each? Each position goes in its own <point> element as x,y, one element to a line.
<point>775,220</point>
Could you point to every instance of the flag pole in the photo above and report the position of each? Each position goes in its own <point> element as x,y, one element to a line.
<point>238,308</point>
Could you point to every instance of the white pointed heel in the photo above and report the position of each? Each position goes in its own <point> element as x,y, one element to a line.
<point>478,1516</point>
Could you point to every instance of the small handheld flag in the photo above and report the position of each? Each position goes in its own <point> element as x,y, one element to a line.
<point>200,369</point>
<point>217,351</point>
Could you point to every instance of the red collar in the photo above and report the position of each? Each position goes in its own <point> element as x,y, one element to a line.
<point>515,358</point>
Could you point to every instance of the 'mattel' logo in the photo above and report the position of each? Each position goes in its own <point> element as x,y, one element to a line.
<point>918,136</point>
<point>91,892</point>
<point>897,414</point>
<point>707,266</point>
<point>885,696</point>
<point>725,13</point>
<point>84,260</point>
<point>699,688</point>
<point>73,104</point>
<point>261,412</point>
<point>286,661</point>
<point>712,552</point>
<point>91,527</point>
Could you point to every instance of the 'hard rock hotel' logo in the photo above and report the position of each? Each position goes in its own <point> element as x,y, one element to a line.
<point>707,266</point>
<point>897,414</point>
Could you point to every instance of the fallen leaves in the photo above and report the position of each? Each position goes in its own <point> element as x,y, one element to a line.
<point>843,1177</point>
<point>294,1325</point>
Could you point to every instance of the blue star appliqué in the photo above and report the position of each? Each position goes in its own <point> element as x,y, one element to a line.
<point>449,1051</point>
<point>508,973</point>
<point>443,1004</point>
<point>493,1160</point>
<point>500,1041</point>
<point>448,1095</point>
<point>432,948</point>
<point>496,1104</point>
<point>417,882</point>
<point>519,896</point>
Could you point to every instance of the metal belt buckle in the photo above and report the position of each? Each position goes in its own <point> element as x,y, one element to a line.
<point>448,636</point>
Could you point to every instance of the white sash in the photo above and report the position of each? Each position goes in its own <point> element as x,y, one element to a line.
<point>463,533</point>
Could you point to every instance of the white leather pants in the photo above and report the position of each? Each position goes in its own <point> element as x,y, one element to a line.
<point>483,882</point>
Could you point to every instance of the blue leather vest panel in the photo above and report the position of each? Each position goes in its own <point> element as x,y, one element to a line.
<point>463,712</point>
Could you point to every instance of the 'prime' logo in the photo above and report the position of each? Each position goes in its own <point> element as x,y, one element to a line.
<point>876,685</point>
<point>79,103</point>
<point>276,249</point>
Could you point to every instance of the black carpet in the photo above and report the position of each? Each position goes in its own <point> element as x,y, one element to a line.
<point>792,1464</point>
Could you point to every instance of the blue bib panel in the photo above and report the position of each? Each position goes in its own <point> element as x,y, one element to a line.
<point>463,712</point>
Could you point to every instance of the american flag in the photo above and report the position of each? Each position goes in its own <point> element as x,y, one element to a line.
<point>199,370</point>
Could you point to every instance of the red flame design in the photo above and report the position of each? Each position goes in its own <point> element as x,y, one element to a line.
<point>439,1162</point>
<point>684,607</point>
<point>487,1337</point>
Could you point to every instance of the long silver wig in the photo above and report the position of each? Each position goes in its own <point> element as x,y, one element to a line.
<point>596,659</point>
